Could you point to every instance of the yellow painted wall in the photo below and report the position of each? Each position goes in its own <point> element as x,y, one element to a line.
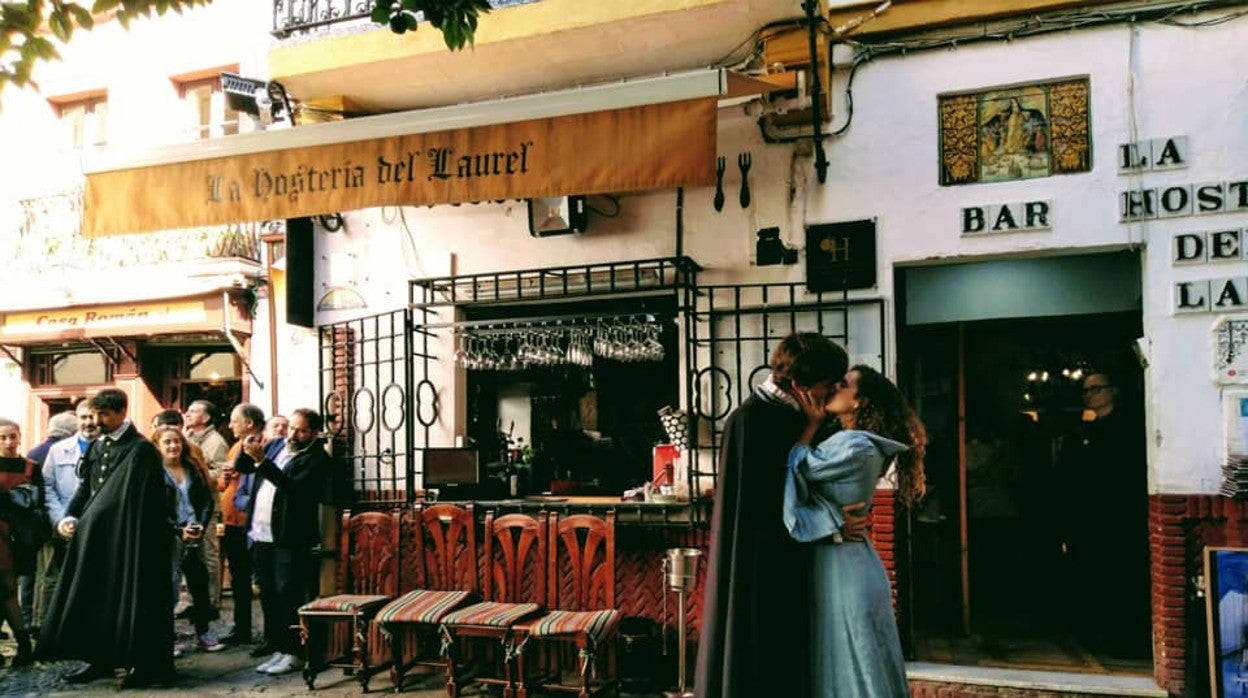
<point>914,15</point>
<point>523,21</point>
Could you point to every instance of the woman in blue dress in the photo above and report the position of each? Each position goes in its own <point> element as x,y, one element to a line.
<point>855,648</point>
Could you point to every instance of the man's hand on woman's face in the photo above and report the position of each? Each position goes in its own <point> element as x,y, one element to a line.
<point>811,402</point>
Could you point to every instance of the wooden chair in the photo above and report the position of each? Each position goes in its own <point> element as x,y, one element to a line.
<point>445,542</point>
<point>582,602</point>
<point>367,579</point>
<point>515,588</point>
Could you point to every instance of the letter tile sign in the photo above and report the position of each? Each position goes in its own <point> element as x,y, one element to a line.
<point>1017,132</point>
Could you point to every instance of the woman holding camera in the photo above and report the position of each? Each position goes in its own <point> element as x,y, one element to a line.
<point>16,517</point>
<point>189,482</point>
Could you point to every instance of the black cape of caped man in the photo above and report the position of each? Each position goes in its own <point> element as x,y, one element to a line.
<point>754,639</point>
<point>113,604</point>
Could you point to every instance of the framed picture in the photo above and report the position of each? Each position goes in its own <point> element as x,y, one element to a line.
<point>1226,606</point>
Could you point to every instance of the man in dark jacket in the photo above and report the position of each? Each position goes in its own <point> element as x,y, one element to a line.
<point>113,602</point>
<point>284,526</point>
<point>754,639</point>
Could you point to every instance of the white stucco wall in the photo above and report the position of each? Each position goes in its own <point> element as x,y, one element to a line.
<point>1147,82</point>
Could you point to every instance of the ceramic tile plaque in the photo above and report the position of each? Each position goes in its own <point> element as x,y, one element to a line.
<point>1018,132</point>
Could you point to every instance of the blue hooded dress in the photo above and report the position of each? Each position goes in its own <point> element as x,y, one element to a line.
<point>855,648</point>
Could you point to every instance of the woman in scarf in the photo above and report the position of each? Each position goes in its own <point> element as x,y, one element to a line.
<point>855,647</point>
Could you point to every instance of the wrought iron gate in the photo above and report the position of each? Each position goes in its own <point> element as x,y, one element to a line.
<point>733,330</point>
<point>379,374</point>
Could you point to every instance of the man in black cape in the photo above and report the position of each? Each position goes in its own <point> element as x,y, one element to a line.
<point>756,617</point>
<point>113,604</point>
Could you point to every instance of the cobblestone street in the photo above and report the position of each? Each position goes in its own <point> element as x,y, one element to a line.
<point>229,672</point>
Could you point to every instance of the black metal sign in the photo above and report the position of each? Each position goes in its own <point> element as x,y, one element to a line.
<point>840,255</point>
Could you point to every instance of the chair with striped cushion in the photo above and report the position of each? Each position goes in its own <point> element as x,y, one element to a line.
<point>368,577</point>
<point>445,553</point>
<point>581,596</point>
<point>515,588</point>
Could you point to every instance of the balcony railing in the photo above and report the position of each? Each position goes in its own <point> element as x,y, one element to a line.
<point>49,229</point>
<point>292,17</point>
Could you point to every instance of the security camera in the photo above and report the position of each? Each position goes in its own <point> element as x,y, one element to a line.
<point>264,105</point>
<point>263,100</point>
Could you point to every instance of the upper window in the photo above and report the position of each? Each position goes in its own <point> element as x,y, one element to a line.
<point>207,114</point>
<point>83,367</point>
<point>84,120</point>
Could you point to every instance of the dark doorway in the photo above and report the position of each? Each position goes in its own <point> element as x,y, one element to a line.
<point>993,579</point>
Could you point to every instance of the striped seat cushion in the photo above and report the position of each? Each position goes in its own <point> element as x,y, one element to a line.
<point>344,603</point>
<point>421,606</point>
<point>597,625</point>
<point>492,614</point>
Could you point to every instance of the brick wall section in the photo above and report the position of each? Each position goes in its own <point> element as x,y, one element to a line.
<point>1180,527</point>
<point>338,414</point>
<point>1168,560</point>
<point>884,534</point>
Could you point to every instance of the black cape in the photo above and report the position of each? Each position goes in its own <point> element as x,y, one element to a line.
<point>754,639</point>
<point>113,603</point>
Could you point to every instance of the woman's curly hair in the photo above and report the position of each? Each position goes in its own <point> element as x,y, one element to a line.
<point>882,410</point>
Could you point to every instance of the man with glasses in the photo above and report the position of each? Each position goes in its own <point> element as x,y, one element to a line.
<point>1102,470</point>
<point>283,527</point>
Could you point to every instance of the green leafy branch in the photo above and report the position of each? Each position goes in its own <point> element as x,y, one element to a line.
<point>456,19</point>
<point>27,28</point>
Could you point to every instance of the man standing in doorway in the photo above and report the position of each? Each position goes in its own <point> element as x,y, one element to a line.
<point>754,639</point>
<point>200,429</point>
<point>111,606</point>
<point>1102,469</point>
<point>236,490</point>
<point>284,526</point>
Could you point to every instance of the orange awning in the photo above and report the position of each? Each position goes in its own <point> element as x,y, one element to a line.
<point>650,146</point>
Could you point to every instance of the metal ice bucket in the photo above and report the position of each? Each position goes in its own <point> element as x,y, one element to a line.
<point>681,568</point>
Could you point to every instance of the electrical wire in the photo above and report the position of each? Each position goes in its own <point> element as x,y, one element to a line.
<point>1133,122</point>
<point>849,98</point>
<point>1007,30</point>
